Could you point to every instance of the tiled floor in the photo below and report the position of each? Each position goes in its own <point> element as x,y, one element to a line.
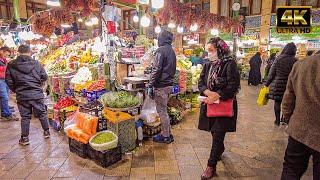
<point>255,151</point>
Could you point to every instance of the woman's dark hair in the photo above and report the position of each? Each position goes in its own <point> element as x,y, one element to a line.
<point>5,49</point>
<point>222,47</point>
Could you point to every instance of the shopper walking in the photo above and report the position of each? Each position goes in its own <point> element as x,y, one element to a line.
<point>255,71</point>
<point>6,110</point>
<point>301,104</point>
<point>219,80</point>
<point>161,81</point>
<point>25,77</point>
<point>270,63</point>
<point>278,77</point>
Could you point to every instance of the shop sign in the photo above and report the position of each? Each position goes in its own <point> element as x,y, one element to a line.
<point>253,34</point>
<point>313,44</point>
<point>294,19</point>
<point>191,39</point>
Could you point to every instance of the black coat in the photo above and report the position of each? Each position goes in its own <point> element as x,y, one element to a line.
<point>279,73</point>
<point>25,77</point>
<point>227,89</point>
<point>164,66</point>
<point>255,73</point>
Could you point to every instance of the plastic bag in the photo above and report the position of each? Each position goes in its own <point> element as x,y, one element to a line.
<point>262,99</point>
<point>70,121</point>
<point>149,112</point>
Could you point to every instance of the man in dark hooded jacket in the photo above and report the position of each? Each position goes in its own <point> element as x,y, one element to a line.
<point>255,70</point>
<point>25,77</point>
<point>162,78</point>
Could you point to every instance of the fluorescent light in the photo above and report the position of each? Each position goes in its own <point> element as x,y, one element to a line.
<point>66,25</point>
<point>55,3</point>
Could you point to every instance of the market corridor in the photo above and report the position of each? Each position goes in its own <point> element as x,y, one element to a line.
<point>255,151</point>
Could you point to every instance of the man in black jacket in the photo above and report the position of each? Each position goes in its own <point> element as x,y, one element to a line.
<point>25,77</point>
<point>162,78</point>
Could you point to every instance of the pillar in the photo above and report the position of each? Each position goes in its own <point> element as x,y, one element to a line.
<point>23,9</point>
<point>214,5</point>
<point>265,20</point>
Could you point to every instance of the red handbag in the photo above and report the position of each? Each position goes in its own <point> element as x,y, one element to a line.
<point>223,109</point>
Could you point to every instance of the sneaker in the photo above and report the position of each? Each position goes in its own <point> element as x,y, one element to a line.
<point>24,141</point>
<point>46,134</point>
<point>13,117</point>
<point>161,139</point>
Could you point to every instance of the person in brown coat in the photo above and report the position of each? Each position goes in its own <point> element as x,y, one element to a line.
<point>301,107</point>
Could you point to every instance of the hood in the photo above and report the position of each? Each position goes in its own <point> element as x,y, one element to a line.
<point>165,37</point>
<point>290,49</point>
<point>24,64</point>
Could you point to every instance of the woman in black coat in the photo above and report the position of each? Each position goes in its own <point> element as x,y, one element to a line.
<point>255,70</point>
<point>219,80</point>
<point>278,77</point>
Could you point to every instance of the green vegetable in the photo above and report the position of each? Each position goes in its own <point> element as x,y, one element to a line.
<point>120,99</point>
<point>103,138</point>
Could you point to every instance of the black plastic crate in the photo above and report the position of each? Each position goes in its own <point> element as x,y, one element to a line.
<point>102,124</point>
<point>93,108</point>
<point>151,130</point>
<point>106,158</point>
<point>78,148</point>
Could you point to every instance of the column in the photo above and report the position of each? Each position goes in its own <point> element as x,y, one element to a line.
<point>23,9</point>
<point>214,6</point>
<point>265,20</point>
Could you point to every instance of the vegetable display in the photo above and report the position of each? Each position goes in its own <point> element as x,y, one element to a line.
<point>183,63</point>
<point>83,75</point>
<point>97,85</point>
<point>103,138</point>
<point>196,71</point>
<point>63,103</point>
<point>120,99</point>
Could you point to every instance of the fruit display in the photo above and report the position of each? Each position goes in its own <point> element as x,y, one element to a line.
<point>83,75</point>
<point>120,99</point>
<point>63,103</point>
<point>183,63</point>
<point>196,72</point>
<point>97,85</point>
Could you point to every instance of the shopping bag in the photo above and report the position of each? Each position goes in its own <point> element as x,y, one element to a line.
<point>262,99</point>
<point>149,111</point>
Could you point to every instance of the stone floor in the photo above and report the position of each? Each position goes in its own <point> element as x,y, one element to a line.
<point>255,151</point>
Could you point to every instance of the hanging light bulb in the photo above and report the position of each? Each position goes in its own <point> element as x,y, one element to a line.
<point>55,3</point>
<point>135,18</point>
<point>214,32</point>
<point>94,20</point>
<point>144,1</point>
<point>172,25</point>
<point>80,20</point>
<point>194,27</point>
<point>88,23</point>
<point>157,4</point>
<point>157,29</point>
<point>145,21</point>
<point>180,29</point>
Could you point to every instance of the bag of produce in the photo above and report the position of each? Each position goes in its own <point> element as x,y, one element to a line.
<point>104,140</point>
<point>149,112</point>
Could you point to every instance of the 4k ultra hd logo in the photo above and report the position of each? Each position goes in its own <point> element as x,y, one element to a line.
<point>294,19</point>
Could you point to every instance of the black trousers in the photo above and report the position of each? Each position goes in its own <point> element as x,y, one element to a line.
<point>217,148</point>
<point>25,109</point>
<point>277,110</point>
<point>296,161</point>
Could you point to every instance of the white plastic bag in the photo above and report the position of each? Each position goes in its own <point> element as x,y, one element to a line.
<point>70,121</point>
<point>149,112</point>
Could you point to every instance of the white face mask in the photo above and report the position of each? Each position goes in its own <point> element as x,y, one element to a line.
<point>213,56</point>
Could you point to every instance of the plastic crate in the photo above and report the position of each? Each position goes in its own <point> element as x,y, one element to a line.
<point>102,125</point>
<point>92,108</point>
<point>94,95</point>
<point>106,158</point>
<point>134,112</point>
<point>126,132</point>
<point>78,148</point>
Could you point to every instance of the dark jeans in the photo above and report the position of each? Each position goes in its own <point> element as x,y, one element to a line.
<point>4,99</point>
<point>25,109</point>
<point>296,161</point>
<point>217,148</point>
<point>277,110</point>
